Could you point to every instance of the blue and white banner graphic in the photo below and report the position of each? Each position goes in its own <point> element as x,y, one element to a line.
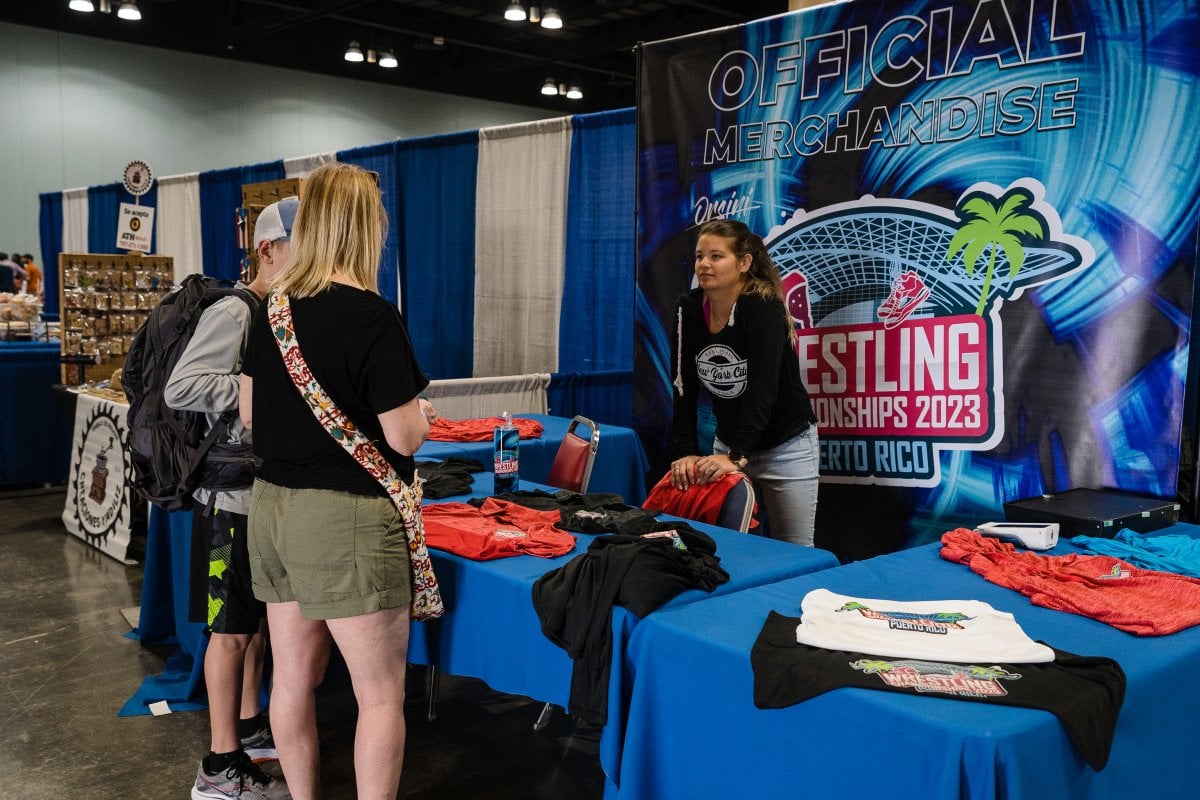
<point>985,214</point>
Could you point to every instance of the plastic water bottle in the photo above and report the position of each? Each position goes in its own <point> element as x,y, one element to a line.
<point>506,444</point>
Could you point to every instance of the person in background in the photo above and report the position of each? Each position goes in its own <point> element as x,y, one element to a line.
<point>33,275</point>
<point>8,282</point>
<point>15,270</point>
<point>206,379</point>
<point>328,549</point>
<point>734,339</point>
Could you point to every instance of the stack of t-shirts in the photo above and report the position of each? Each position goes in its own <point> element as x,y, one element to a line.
<point>1140,601</point>
<point>496,529</point>
<point>961,649</point>
<point>479,430</point>
<point>574,602</point>
<point>594,512</point>
<point>447,478</point>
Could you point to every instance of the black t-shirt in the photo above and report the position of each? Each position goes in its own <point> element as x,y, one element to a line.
<point>358,349</point>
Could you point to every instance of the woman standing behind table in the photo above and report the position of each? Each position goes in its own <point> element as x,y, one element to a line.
<point>327,547</point>
<point>734,339</point>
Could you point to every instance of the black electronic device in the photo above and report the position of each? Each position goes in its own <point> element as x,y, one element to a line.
<point>1095,512</point>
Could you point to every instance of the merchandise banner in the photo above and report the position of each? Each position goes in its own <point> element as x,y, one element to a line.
<point>985,217</point>
<point>100,487</point>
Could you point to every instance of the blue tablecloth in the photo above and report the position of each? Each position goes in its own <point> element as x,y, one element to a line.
<point>35,437</point>
<point>164,617</point>
<point>491,631</point>
<point>620,461</point>
<point>693,731</point>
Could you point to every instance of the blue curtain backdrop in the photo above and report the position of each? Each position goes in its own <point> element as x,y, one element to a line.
<point>437,249</point>
<point>104,206</point>
<point>220,196</point>
<point>596,332</point>
<point>604,397</point>
<point>381,158</point>
<point>50,231</point>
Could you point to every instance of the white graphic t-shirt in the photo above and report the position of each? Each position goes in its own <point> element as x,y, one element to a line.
<point>938,630</point>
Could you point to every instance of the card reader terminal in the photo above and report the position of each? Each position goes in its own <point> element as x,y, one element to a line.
<point>1034,535</point>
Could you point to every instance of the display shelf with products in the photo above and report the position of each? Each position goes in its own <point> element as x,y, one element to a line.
<point>256,197</point>
<point>105,299</point>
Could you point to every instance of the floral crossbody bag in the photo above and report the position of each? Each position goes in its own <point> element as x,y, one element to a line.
<point>427,599</point>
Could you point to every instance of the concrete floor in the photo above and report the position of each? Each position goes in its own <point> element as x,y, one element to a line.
<point>66,667</point>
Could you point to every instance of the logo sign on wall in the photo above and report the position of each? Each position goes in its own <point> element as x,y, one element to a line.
<point>985,217</point>
<point>99,489</point>
<point>137,178</point>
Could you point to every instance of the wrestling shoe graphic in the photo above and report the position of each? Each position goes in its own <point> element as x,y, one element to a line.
<point>908,292</point>
<point>795,291</point>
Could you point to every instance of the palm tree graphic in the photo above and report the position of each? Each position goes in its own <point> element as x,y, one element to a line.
<point>993,225</point>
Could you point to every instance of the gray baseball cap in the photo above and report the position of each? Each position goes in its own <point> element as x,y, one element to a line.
<point>275,221</point>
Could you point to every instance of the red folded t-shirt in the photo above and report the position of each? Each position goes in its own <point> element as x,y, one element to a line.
<point>1141,601</point>
<point>479,430</point>
<point>497,529</point>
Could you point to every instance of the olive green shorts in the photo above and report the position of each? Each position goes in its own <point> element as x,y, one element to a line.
<point>337,554</point>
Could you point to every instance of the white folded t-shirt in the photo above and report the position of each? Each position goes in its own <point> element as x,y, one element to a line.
<point>965,631</point>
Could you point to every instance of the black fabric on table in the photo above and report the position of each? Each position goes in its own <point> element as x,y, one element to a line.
<point>574,602</point>
<point>1084,692</point>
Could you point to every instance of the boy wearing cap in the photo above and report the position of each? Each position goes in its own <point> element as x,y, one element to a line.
<point>206,379</point>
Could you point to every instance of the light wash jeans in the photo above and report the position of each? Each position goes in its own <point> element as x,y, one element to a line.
<point>785,480</point>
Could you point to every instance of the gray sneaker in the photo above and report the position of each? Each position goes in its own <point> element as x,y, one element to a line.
<point>260,745</point>
<point>243,779</point>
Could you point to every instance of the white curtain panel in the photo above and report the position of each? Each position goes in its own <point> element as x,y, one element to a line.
<point>75,220</point>
<point>520,231</point>
<point>301,166</point>
<point>178,223</point>
<point>472,398</point>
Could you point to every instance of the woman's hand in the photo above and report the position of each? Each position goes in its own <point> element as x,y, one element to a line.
<point>700,470</point>
<point>683,472</point>
<point>713,468</point>
<point>427,409</point>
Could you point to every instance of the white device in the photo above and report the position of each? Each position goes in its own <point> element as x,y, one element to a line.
<point>1034,535</point>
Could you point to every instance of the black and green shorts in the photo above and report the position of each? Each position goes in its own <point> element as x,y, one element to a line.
<point>221,589</point>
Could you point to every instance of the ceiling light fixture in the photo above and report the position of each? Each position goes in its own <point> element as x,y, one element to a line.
<point>387,59</point>
<point>129,11</point>
<point>549,18</point>
<point>371,59</point>
<point>354,53</point>
<point>87,6</point>
<point>515,12</point>
<point>552,88</point>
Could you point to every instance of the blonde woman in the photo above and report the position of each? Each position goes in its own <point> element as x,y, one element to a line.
<point>734,340</point>
<point>327,547</point>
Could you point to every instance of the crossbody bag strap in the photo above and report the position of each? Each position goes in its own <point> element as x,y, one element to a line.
<point>427,599</point>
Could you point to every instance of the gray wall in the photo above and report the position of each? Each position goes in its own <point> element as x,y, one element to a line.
<point>76,110</point>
